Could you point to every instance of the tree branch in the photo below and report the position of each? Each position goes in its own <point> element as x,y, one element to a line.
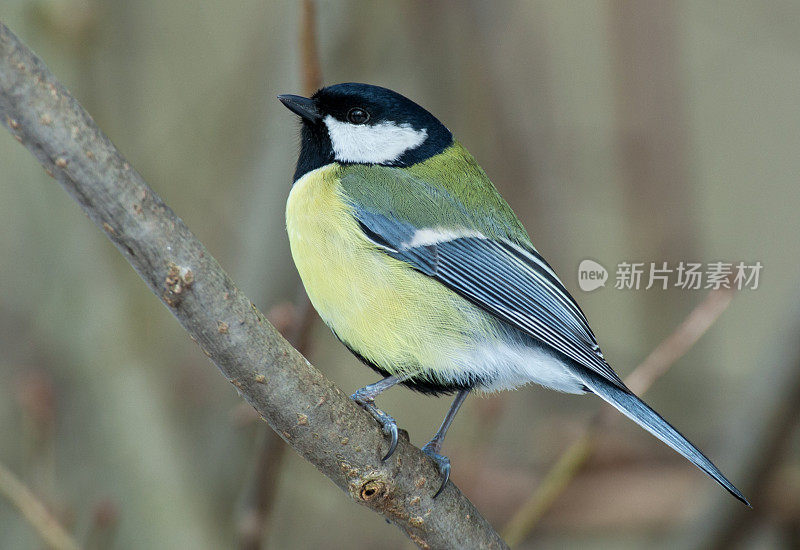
<point>306,409</point>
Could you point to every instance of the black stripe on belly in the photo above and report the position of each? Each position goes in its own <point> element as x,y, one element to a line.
<point>427,387</point>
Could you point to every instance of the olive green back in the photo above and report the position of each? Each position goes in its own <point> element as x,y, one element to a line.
<point>449,190</point>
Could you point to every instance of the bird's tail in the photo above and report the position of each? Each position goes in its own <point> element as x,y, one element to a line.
<point>636,409</point>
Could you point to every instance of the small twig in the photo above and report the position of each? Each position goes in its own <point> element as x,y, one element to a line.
<point>309,52</point>
<point>305,316</point>
<point>103,530</point>
<point>262,488</point>
<point>35,512</point>
<point>37,399</point>
<point>675,346</point>
<point>262,485</point>
<point>655,365</point>
<point>774,441</point>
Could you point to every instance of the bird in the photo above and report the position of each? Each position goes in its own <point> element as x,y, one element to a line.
<point>422,270</point>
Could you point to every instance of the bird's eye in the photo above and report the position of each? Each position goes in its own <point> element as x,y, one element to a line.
<point>357,115</point>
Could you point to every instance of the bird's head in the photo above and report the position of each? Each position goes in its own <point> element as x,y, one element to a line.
<point>364,124</point>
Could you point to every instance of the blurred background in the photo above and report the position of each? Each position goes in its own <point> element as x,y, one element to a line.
<point>619,131</point>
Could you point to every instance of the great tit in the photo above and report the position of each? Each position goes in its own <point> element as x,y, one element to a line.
<point>420,268</point>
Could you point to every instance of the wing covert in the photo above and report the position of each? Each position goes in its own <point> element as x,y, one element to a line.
<point>510,281</point>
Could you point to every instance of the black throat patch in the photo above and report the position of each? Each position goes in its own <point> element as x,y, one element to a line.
<point>315,148</point>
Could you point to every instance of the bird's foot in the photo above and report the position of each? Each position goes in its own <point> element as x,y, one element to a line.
<point>432,449</point>
<point>388,424</point>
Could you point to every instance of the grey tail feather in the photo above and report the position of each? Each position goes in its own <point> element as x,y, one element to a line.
<point>636,409</point>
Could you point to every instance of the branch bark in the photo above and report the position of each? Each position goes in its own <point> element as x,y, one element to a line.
<point>306,409</point>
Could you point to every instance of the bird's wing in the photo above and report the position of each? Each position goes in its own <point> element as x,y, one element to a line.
<point>483,254</point>
<point>509,280</point>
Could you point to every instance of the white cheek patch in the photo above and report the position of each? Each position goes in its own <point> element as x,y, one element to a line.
<point>372,144</point>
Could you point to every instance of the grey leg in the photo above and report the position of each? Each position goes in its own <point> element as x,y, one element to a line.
<point>366,398</point>
<point>433,446</point>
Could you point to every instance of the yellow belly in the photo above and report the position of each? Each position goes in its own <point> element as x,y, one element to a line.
<point>394,316</point>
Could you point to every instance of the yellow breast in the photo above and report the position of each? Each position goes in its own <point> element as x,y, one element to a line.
<point>394,316</point>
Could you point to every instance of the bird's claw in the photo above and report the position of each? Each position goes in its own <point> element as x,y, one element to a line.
<point>388,424</point>
<point>442,463</point>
